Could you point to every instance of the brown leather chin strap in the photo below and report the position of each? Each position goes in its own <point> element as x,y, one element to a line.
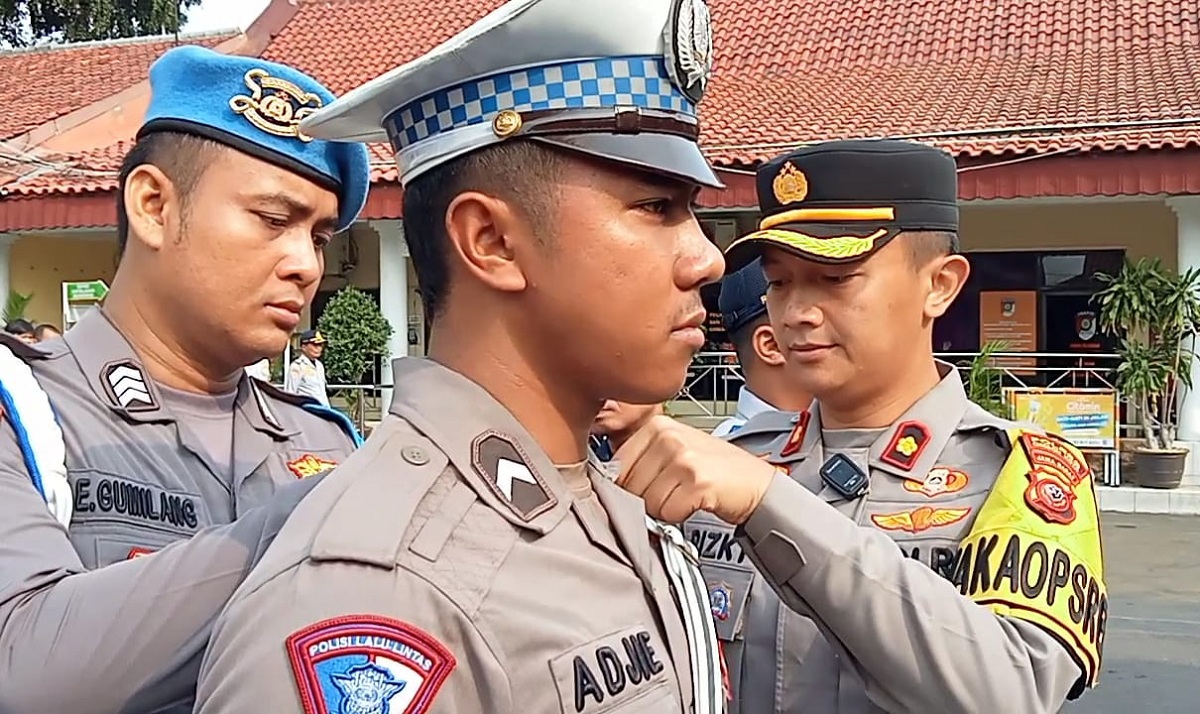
<point>607,120</point>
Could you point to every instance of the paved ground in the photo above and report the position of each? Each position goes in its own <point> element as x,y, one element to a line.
<point>1152,655</point>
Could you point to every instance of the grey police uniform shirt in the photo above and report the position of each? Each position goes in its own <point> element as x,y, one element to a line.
<point>306,377</point>
<point>126,637</point>
<point>875,632</point>
<point>449,567</point>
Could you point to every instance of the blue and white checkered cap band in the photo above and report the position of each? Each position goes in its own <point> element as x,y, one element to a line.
<point>640,81</point>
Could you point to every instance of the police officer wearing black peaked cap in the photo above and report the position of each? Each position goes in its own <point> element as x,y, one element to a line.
<point>918,551</point>
<point>843,201</point>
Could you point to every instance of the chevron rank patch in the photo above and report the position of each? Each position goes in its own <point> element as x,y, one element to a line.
<point>367,664</point>
<point>127,387</point>
<point>503,465</point>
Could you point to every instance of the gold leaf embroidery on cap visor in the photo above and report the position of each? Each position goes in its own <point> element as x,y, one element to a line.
<point>836,247</point>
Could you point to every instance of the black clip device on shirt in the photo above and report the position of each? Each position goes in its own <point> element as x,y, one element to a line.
<point>843,476</point>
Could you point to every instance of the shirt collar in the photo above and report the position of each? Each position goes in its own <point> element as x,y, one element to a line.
<point>750,405</point>
<point>115,373</point>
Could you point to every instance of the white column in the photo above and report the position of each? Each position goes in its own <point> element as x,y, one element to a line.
<point>393,293</point>
<point>1187,213</point>
<point>6,242</point>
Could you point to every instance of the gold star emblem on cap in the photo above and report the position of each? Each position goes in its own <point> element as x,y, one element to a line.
<point>790,185</point>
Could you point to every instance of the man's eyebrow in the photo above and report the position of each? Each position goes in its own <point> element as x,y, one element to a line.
<point>294,207</point>
<point>648,180</point>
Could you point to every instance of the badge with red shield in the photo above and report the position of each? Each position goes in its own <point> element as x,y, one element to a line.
<point>1056,471</point>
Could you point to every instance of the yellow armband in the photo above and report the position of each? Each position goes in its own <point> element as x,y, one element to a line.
<point>1034,552</point>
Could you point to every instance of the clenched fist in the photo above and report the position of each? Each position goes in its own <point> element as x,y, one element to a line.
<point>679,470</point>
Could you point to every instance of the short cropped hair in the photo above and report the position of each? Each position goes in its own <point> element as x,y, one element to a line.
<point>743,342</point>
<point>924,246</point>
<point>521,172</point>
<point>182,157</point>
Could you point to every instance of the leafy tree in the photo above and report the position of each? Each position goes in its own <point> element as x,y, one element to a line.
<point>357,332</point>
<point>1155,312</point>
<point>29,22</point>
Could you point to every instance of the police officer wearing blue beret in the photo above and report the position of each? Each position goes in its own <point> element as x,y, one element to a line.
<point>139,431</point>
<point>767,387</point>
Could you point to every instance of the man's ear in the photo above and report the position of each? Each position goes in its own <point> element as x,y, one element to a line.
<point>947,276</point>
<point>482,229</point>
<point>766,346</point>
<point>151,205</point>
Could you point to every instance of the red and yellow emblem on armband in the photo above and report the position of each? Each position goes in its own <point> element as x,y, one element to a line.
<point>1034,552</point>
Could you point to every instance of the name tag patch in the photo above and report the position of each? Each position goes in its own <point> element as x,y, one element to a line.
<point>367,664</point>
<point>715,545</point>
<point>602,674</point>
<point>111,496</point>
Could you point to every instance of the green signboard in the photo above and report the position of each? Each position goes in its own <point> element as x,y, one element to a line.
<point>90,290</point>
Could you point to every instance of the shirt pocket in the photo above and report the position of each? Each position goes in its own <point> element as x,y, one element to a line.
<point>115,548</point>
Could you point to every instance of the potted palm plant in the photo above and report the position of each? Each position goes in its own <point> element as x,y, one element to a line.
<point>1154,312</point>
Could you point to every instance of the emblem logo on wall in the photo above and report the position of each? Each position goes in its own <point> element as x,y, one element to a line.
<point>1085,325</point>
<point>1008,307</point>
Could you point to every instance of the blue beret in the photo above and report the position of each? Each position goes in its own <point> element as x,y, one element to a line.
<point>255,106</point>
<point>743,296</point>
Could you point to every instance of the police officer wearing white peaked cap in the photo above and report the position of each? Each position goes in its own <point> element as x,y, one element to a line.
<point>471,558</point>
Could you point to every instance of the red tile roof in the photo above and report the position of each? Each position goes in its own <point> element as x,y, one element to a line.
<point>97,169</point>
<point>1006,78</point>
<point>796,71</point>
<point>81,172</point>
<point>344,43</point>
<point>47,83</point>
<point>804,70</point>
